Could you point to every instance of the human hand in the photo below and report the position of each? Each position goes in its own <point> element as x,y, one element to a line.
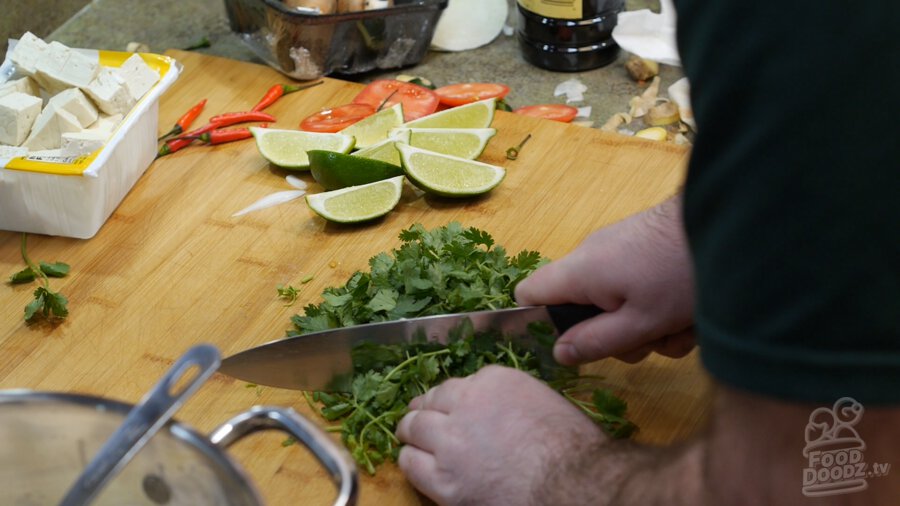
<point>490,438</point>
<point>639,272</point>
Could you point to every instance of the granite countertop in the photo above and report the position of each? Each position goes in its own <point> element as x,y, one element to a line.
<point>165,24</point>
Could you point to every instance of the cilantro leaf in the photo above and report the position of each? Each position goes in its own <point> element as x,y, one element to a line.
<point>55,270</point>
<point>26,275</point>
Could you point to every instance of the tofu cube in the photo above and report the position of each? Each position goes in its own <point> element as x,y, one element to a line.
<point>60,68</point>
<point>9,152</point>
<point>24,85</point>
<point>74,102</point>
<point>139,77</point>
<point>84,142</point>
<point>18,113</point>
<point>109,92</point>
<point>29,50</point>
<point>107,123</point>
<point>49,127</point>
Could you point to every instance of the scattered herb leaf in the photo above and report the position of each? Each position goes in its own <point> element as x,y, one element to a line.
<point>46,303</point>
<point>288,293</point>
<point>26,275</point>
<point>55,270</point>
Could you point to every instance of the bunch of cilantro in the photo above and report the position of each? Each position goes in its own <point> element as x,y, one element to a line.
<point>449,269</point>
<point>446,270</point>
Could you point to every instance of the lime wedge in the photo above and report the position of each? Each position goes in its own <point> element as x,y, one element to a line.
<point>475,115</point>
<point>287,148</point>
<point>446,175</point>
<point>385,150</point>
<point>466,143</point>
<point>375,128</point>
<point>335,170</point>
<point>357,203</point>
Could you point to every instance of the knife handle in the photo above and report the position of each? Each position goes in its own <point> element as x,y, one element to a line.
<point>565,316</point>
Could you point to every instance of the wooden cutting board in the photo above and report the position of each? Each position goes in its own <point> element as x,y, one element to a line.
<point>172,267</point>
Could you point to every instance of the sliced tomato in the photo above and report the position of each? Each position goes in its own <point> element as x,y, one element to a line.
<point>556,112</point>
<point>417,100</point>
<point>466,93</point>
<point>336,119</point>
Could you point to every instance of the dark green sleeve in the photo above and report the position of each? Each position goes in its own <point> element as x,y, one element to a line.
<point>792,202</point>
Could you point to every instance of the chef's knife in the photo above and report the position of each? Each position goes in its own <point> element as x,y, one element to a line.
<point>324,360</point>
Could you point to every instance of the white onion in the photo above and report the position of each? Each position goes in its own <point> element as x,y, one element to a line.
<point>296,182</point>
<point>270,201</point>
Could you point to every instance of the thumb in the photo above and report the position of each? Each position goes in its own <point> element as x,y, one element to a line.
<point>602,336</point>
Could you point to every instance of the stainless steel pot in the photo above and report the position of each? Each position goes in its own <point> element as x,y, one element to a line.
<point>46,439</point>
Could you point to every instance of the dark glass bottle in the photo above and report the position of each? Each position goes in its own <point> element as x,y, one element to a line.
<point>568,35</point>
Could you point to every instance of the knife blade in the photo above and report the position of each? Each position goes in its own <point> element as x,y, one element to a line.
<point>324,360</point>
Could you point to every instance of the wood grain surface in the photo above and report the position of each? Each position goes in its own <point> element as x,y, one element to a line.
<point>172,268</point>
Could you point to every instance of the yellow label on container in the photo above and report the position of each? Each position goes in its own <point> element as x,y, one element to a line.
<point>57,165</point>
<point>560,9</point>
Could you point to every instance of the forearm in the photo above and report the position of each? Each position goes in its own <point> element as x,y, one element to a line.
<point>622,473</point>
<point>751,454</point>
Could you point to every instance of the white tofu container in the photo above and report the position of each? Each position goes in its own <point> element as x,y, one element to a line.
<point>73,196</point>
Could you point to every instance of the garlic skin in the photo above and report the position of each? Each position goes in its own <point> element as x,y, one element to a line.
<point>640,105</point>
<point>617,120</point>
<point>662,114</point>
<point>680,93</point>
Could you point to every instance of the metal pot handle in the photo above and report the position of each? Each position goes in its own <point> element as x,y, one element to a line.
<point>334,458</point>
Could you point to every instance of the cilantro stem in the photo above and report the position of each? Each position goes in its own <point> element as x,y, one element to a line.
<point>309,400</point>
<point>375,421</point>
<point>512,355</point>
<point>412,359</point>
<point>34,268</point>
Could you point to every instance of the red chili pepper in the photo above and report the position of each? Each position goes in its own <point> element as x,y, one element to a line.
<point>279,90</point>
<point>185,121</point>
<point>173,145</point>
<point>233,118</point>
<point>194,134</point>
<point>225,135</point>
